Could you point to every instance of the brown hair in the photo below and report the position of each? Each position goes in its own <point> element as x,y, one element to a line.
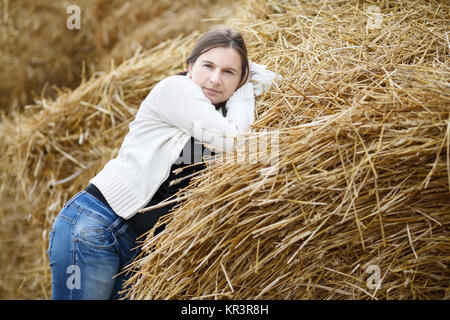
<point>222,37</point>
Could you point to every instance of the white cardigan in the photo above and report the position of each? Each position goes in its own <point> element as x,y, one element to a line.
<point>175,110</point>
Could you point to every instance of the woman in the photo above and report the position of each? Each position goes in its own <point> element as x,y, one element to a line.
<point>93,236</point>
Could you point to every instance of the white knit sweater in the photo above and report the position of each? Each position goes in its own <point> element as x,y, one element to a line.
<point>175,110</point>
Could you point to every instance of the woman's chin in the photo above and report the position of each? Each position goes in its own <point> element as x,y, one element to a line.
<point>214,100</point>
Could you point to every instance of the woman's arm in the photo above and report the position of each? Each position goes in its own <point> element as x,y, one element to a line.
<point>241,106</point>
<point>181,103</point>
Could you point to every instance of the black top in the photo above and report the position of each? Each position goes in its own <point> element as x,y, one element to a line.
<point>142,222</point>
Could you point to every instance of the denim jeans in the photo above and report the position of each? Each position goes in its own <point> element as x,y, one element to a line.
<point>88,246</point>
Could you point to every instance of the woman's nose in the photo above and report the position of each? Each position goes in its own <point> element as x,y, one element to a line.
<point>215,77</point>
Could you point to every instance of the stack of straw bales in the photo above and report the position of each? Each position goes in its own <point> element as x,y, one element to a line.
<point>38,50</point>
<point>358,205</point>
<point>359,195</point>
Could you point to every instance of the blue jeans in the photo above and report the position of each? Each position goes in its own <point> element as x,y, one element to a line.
<point>88,246</point>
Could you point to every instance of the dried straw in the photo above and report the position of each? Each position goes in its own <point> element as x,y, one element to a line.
<point>361,184</point>
<point>56,148</point>
<point>58,143</point>
<point>358,205</point>
<point>38,51</point>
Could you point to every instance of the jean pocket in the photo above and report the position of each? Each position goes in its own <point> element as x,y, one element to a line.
<point>97,237</point>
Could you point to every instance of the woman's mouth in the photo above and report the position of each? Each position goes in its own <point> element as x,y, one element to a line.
<point>212,91</point>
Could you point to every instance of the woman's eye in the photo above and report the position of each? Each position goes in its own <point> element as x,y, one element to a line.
<point>208,66</point>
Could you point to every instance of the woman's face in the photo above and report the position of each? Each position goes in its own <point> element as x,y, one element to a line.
<point>218,73</point>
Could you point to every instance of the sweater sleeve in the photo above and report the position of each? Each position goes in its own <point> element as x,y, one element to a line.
<point>181,103</point>
<point>241,106</point>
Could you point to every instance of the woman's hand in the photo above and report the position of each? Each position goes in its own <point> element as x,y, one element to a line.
<point>261,78</point>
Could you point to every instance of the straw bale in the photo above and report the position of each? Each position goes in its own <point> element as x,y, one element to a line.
<point>38,51</point>
<point>360,194</point>
<point>361,182</point>
<point>180,18</point>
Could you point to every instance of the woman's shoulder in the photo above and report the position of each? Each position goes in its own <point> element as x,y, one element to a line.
<point>174,90</point>
<point>177,82</point>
